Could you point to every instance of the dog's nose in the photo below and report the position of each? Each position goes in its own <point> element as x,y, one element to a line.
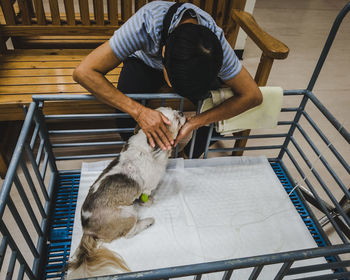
<point>181,114</point>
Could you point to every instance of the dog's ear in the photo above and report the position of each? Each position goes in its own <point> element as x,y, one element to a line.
<point>137,129</point>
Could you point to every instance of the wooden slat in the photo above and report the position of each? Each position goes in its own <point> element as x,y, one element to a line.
<point>112,7</point>
<point>220,12</point>
<point>43,72</point>
<point>57,30</point>
<point>44,80</point>
<point>55,13</point>
<point>25,12</point>
<point>84,12</point>
<point>39,12</point>
<point>39,64</point>
<point>98,11</point>
<point>69,8</point>
<point>139,4</point>
<point>49,89</point>
<point>8,11</point>
<point>197,2</point>
<point>47,52</point>
<point>126,6</point>
<point>209,7</point>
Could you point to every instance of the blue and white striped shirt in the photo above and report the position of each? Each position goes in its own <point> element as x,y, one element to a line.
<point>140,36</point>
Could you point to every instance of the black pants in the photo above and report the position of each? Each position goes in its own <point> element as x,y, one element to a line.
<point>137,77</point>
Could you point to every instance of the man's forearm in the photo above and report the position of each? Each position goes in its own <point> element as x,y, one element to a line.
<point>106,92</point>
<point>228,109</point>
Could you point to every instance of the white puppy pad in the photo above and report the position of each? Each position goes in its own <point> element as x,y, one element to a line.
<point>210,210</point>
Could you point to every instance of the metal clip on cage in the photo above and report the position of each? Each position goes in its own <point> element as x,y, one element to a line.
<point>37,199</point>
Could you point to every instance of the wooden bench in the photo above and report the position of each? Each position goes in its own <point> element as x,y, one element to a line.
<point>52,37</point>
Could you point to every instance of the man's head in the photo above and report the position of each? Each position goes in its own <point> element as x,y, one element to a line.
<point>192,59</point>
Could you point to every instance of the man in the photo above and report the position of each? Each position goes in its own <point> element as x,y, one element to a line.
<point>174,43</point>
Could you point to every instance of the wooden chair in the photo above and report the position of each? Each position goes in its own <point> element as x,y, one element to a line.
<point>51,37</point>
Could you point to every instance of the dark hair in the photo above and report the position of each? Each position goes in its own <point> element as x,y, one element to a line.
<point>193,59</point>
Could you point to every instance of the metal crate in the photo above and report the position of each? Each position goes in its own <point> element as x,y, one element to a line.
<point>37,199</point>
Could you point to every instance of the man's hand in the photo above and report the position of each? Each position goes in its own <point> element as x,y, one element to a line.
<point>186,129</point>
<point>153,124</point>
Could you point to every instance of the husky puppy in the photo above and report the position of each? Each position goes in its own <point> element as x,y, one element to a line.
<point>109,210</point>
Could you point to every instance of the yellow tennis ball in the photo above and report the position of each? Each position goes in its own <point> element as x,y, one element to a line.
<point>144,197</point>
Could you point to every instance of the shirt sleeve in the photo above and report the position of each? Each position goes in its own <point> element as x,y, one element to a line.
<point>231,66</point>
<point>131,36</point>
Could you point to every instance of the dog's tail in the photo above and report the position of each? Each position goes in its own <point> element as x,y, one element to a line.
<point>91,260</point>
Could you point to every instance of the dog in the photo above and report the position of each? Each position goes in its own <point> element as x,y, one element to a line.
<point>109,210</point>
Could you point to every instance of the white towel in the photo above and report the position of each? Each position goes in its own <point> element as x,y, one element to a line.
<point>210,210</point>
<point>263,116</point>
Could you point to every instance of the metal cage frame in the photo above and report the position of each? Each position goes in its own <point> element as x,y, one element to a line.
<point>33,174</point>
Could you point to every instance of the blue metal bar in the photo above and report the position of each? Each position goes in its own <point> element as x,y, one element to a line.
<point>234,264</point>
<point>227,275</point>
<point>293,126</point>
<point>11,266</point>
<point>27,205</point>
<point>322,184</point>
<point>40,151</point>
<point>83,131</point>
<point>86,156</point>
<point>45,224</point>
<point>44,167</point>
<point>3,248</point>
<point>145,96</point>
<point>285,122</point>
<point>327,142</point>
<point>35,134</point>
<point>210,133</point>
<point>324,161</point>
<point>255,273</point>
<point>85,144</point>
<point>6,187</point>
<point>336,275</point>
<point>32,188</point>
<point>316,196</point>
<point>14,247</point>
<point>337,125</point>
<point>36,171</point>
<point>181,108</point>
<point>256,136</point>
<point>290,109</point>
<point>73,171</point>
<point>194,133</point>
<point>294,92</point>
<point>284,269</point>
<point>87,116</point>
<point>21,272</point>
<point>317,267</point>
<point>328,45</point>
<point>271,147</point>
<point>22,227</point>
<point>39,118</point>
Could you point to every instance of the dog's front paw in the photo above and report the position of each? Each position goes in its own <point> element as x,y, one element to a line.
<point>148,222</point>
